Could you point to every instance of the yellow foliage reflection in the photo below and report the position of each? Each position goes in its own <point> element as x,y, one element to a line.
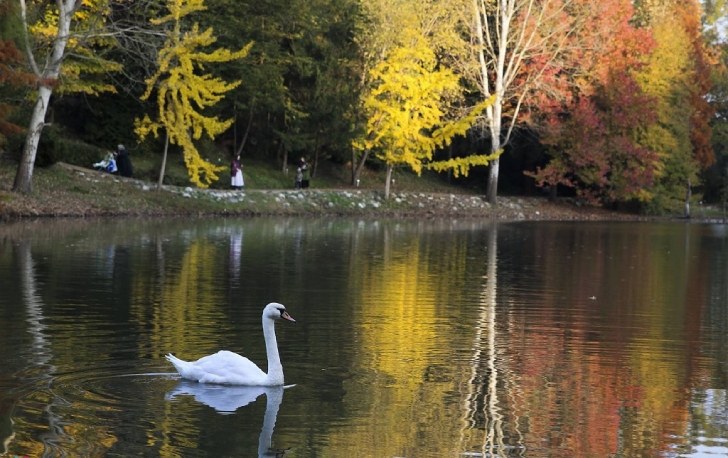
<point>404,354</point>
<point>185,295</point>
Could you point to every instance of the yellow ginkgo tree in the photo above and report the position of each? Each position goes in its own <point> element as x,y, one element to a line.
<point>183,94</point>
<point>408,106</point>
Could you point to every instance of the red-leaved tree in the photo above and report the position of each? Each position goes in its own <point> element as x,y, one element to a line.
<point>593,139</point>
<point>705,59</point>
<point>12,77</point>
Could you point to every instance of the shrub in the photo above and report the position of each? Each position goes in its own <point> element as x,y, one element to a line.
<point>77,152</point>
<point>53,147</point>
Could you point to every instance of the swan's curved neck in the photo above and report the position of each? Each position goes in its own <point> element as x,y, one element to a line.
<point>275,369</point>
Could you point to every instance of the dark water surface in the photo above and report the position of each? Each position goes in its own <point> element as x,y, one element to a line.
<point>413,339</point>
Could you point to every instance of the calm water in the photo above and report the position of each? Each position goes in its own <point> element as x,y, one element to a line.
<point>413,339</point>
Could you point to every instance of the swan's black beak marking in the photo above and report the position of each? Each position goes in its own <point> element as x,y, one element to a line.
<point>286,316</point>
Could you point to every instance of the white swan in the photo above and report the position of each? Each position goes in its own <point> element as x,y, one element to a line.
<point>226,367</point>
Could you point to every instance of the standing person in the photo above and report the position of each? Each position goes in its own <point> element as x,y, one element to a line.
<point>236,173</point>
<point>299,178</point>
<point>123,161</point>
<point>306,179</point>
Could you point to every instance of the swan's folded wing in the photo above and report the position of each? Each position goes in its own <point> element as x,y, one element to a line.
<point>228,368</point>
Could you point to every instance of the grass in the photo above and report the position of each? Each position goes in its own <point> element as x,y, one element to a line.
<point>263,174</point>
<point>80,191</point>
<point>63,190</point>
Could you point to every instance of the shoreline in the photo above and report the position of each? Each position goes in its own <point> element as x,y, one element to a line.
<point>70,191</point>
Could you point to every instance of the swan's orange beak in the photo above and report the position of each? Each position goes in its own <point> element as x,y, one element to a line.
<point>286,316</point>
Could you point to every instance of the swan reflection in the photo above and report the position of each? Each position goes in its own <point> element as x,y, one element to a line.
<point>226,399</point>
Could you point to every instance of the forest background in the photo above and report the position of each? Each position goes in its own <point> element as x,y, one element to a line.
<point>620,103</point>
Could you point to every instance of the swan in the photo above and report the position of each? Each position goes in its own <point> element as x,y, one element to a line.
<point>228,368</point>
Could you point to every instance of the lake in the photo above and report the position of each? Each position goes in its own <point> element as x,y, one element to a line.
<point>414,338</point>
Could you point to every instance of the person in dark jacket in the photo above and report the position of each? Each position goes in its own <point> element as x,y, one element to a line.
<point>123,161</point>
<point>306,173</point>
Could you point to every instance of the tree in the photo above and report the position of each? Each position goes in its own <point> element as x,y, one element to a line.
<point>596,153</point>
<point>593,137</point>
<point>677,75</point>
<point>705,59</point>
<point>407,106</point>
<point>300,87</point>
<point>715,179</point>
<point>13,76</point>
<point>10,75</point>
<point>518,43</point>
<point>411,39</point>
<point>70,24</point>
<point>404,105</point>
<point>182,94</point>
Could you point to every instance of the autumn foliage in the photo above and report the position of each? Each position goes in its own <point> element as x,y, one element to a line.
<point>407,109</point>
<point>593,140</point>
<point>183,93</point>
<point>619,92</point>
<point>13,75</point>
<point>703,60</point>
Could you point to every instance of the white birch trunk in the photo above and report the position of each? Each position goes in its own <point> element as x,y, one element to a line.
<point>47,79</point>
<point>504,44</point>
<point>495,111</point>
<point>388,183</point>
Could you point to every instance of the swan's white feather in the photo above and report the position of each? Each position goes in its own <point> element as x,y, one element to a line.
<point>223,367</point>
<point>226,367</point>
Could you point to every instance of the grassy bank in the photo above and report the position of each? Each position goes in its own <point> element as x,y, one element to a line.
<point>260,174</point>
<point>66,190</point>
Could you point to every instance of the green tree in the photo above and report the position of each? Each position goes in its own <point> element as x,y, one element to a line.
<point>182,94</point>
<point>300,77</point>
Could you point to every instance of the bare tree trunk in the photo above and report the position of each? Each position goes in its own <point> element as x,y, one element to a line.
<point>356,168</point>
<point>24,177</point>
<point>247,132</point>
<point>388,184</point>
<point>353,168</point>
<point>282,150</point>
<point>504,45</point>
<point>491,192</point>
<point>725,194</point>
<point>494,111</point>
<point>163,168</point>
<point>688,195</point>
<point>316,149</point>
<point>46,81</point>
<point>553,193</point>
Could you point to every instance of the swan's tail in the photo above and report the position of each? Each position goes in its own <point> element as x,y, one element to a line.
<point>178,364</point>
